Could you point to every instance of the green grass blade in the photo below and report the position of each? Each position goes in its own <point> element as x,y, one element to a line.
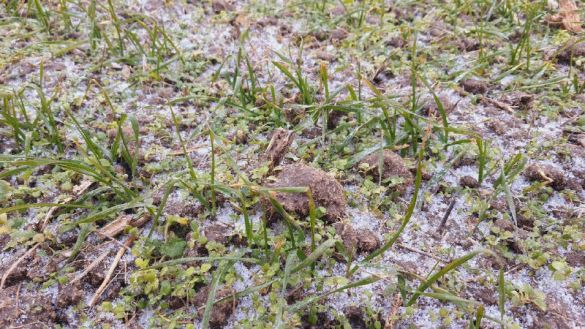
<point>106,212</point>
<point>324,247</point>
<point>448,268</point>
<point>308,301</point>
<point>41,205</point>
<point>279,323</point>
<point>222,268</point>
<point>186,260</point>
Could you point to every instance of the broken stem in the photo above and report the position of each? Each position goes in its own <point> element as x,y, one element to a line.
<point>446,216</point>
<point>111,270</point>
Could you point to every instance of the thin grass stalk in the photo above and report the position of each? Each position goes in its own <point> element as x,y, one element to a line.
<point>212,185</point>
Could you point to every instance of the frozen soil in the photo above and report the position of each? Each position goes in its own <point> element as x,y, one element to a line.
<point>166,127</point>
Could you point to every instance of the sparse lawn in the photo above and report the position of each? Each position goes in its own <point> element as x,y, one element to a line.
<point>292,164</point>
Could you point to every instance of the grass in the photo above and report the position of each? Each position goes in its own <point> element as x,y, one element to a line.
<point>169,119</point>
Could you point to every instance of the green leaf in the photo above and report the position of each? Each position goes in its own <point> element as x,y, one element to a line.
<point>309,300</point>
<point>173,248</point>
<point>324,247</point>
<point>448,268</point>
<point>223,266</point>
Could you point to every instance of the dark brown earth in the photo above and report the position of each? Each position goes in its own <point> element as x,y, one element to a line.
<point>474,86</point>
<point>221,311</point>
<point>393,167</point>
<point>548,174</point>
<point>21,309</point>
<point>569,53</point>
<point>360,240</point>
<point>326,191</point>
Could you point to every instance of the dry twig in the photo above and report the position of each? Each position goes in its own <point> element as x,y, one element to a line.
<point>111,270</point>
<point>391,318</point>
<point>91,266</point>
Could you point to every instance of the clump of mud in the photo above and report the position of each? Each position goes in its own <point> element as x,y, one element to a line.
<point>468,181</point>
<point>547,173</point>
<point>568,54</point>
<point>360,240</point>
<point>474,86</point>
<point>430,107</point>
<point>393,167</point>
<point>326,191</point>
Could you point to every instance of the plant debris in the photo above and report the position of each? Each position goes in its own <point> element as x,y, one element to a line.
<point>279,143</point>
<point>568,17</point>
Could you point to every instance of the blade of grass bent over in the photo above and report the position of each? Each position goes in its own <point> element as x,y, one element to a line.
<point>448,268</point>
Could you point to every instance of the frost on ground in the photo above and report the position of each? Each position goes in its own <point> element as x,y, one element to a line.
<point>168,106</point>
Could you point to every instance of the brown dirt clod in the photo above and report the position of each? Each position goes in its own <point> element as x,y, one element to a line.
<point>217,233</point>
<point>326,191</point>
<point>361,240</point>
<point>569,53</point>
<point>468,181</point>
<point>221,5</point>
<point>394,166</point>
<point>546,173</point>
<point>474,86</point>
